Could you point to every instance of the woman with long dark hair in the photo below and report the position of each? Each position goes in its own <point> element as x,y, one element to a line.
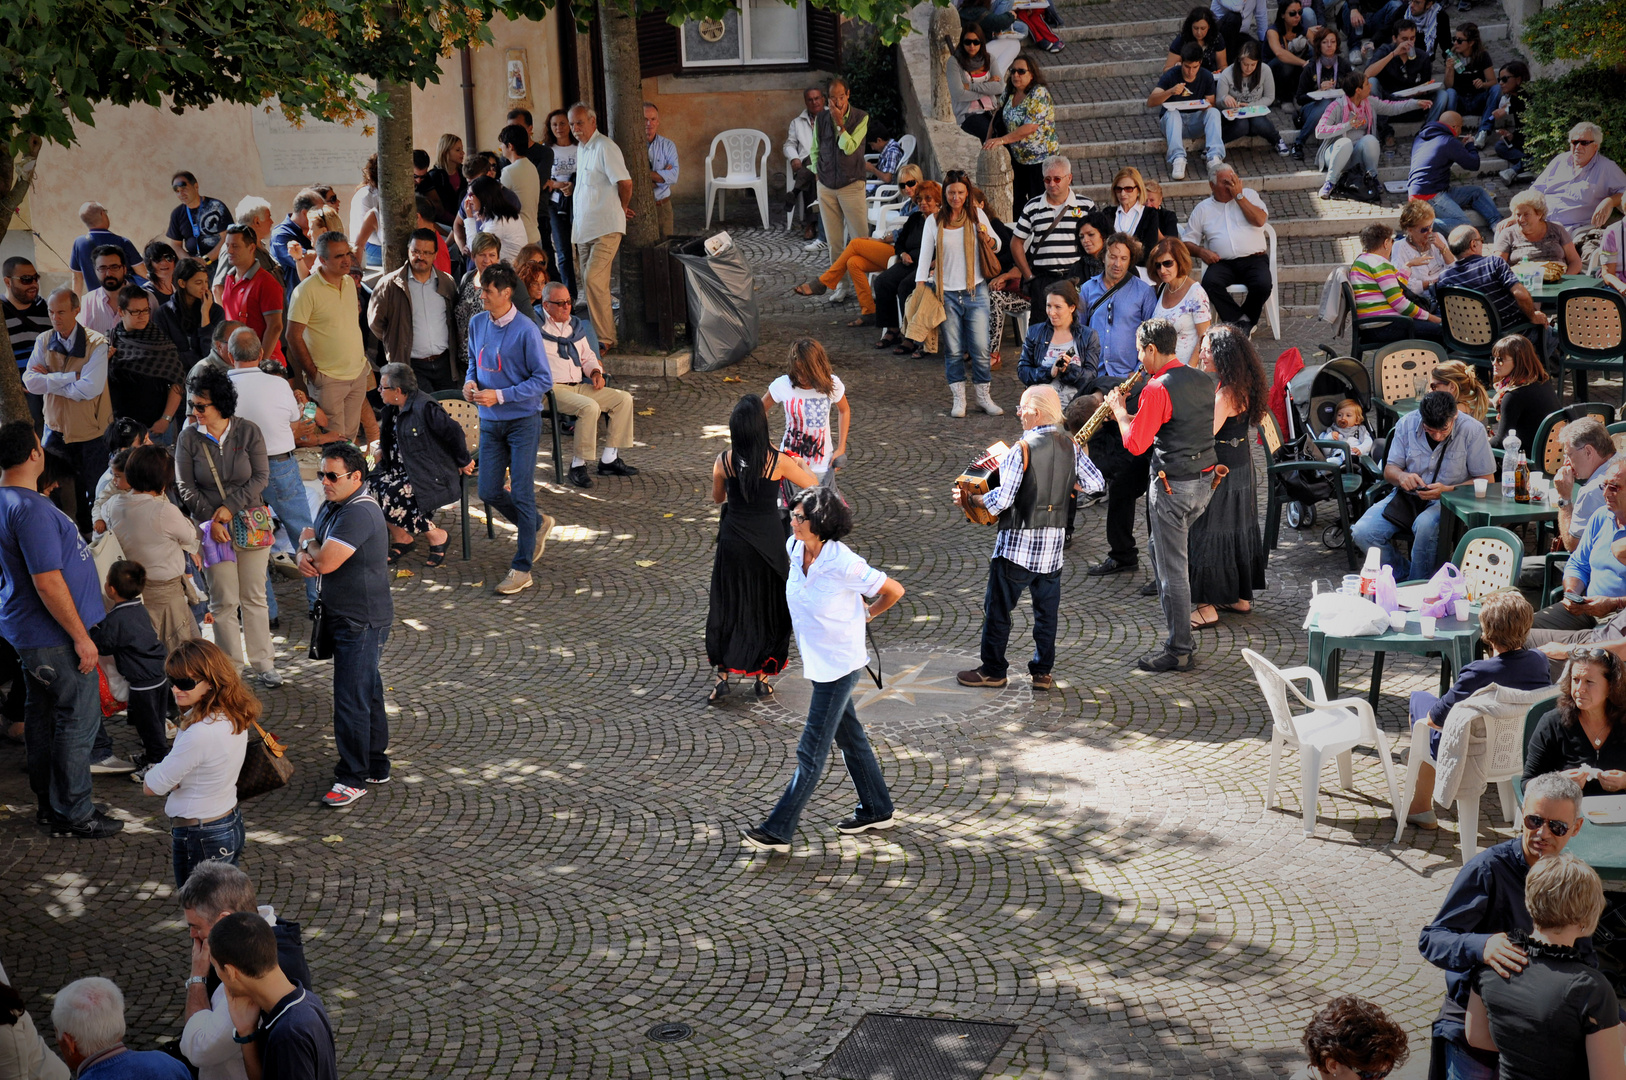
<point>1247,83</point>
<point>1030,128</point>
<point>1585,736</point>
<point>1227,549</point>
<point>1524,395</point>
<point>190,314</point>
<point>1288,45</point>
<point>1321,74</point>
<point>975,83</point>
<point>748,623</point>
<point>160,260</point>
<point>488,208</point>
<point>557,188</point>
<point>1198,28</point>
<point>951,255</point>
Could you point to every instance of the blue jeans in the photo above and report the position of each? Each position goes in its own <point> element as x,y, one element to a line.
<point>1007,581</point>
<point>1178,126</point>
<point>508,448</point>
<point>64,713</point>
<point>831,718</point>
<point>361,729</point>
<point>1449,206</point>
<point>1469,103</point>
<point>965,333</point>
<point>564,253</point>
<point>1374,530</point>
<point>217,841</point>
<point>1312,116</point>
<point>1460,1065</point>
<point>286,494</point>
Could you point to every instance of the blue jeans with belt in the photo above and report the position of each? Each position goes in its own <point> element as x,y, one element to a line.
<point>214,841</point>
<point>64,713</point>
<point>508,447</point>
<point>831,717</point>
<point>285,492</point>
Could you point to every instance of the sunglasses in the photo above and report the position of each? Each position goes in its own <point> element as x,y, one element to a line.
<point>27,279</point>
<point>1459,41</point>
<point>1126,187</point>
<point>556,303</point>
<point>1162,263</point>
<point>1534,822</point>
<point>1505,78</point>
<point>178,187</point>
<point>908,184</point>
<point>1374,1074</point>
<point>183,683</point>
<point>333,477</point>
<point>1582,142</point>
<point>1020,71</point>
<point>198,406</point>
<point>970,41</point>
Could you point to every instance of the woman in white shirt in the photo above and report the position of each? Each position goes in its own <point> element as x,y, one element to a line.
<point>825,593</point>
<point>557,188</point>
<point>364,229</point>
<point>1421,255</point>
<point>488,208</point>
<point>952,253</point>
<point>199,775</point>
<point>1179,299</point>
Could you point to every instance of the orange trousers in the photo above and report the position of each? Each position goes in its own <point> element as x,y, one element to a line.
<point>858,260</point>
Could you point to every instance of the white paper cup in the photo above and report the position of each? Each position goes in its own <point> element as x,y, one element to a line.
<point>1397,620</point>
<point>1536,479</point>
<point>1461,608</point>
<point>1481,486</point>
<point>1426,624</point>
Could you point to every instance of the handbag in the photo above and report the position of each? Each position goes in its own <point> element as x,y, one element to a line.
<point>251,526</point>
<point>105,550</point>
<point>321,647</point>
<point>265,765</point>
<point>1404,506</point>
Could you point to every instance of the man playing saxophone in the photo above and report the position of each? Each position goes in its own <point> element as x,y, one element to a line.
<point>1035,478</point>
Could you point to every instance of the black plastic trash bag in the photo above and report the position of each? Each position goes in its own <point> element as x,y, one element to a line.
<point>722,306</point>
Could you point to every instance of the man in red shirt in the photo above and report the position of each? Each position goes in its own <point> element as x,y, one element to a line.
<point>1176,422</point>
<point>250,294</point>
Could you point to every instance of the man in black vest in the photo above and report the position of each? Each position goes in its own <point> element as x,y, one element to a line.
<point>1175,420</point>
<point>1035,478</point>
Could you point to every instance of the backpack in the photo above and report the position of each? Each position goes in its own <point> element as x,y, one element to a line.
<point>1361,184</point>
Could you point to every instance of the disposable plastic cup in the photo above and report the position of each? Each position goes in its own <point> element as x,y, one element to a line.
<point>1426,624</point>
<point>1352,584</point>
<point>1397,621</point>
<point>1481,486</point>
<point>1461,609</point>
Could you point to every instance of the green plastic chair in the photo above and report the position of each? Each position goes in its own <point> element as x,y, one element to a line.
<point>1591,334</point>
<point>1276,498</point>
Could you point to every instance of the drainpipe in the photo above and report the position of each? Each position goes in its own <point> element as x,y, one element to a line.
<point>468,101</point>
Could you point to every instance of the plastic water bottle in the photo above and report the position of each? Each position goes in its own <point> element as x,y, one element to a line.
<point>1510,463</point>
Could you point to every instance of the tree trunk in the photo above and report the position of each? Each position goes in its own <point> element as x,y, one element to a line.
<point>397,207</point>
<point>945,32</point>
<point>622,116</point>
<point>15,178</point>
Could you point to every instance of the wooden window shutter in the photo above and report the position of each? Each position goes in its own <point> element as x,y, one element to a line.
<point>658,50</point>
<point>823,38</point>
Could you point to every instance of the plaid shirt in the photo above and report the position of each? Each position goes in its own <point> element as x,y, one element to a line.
<point>890,156</point>
<point>1038,550</point>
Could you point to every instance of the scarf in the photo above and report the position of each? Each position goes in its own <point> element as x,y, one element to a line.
<point>74,346</point>
<point>148,352</point>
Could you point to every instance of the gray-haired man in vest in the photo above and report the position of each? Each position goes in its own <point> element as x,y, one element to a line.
<point>69,370</point>
<point>1176,422</point>
<point>1035,478</point>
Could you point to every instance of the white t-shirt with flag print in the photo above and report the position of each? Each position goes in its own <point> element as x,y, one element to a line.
<point>807,421</point>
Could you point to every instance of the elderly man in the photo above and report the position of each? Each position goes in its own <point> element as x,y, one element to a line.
<point>1227,232</point>
<point>1583,188</point>
<point>69,371</point>
<point>1188,83</point>
<point>1431,451</point>
<point>98,233</point>
<point>251,294</point>
<point>1484,906</point>
<point>219,354</point>
<point>101,306</point>
<point>798,151</point>
<point>324,330</point>
<point>1439,145</point>
<point>413,314</point>
<point>88,1015</point>
<point>198,225</point>
<point>840,134</point>
<point>26,320</point>
<point>1492,277</point>
<point>1044,237</point>
<point>212,891</point>
<point>1594,577</point>
<point>1379,294</point>
<point>571,359</point>
<point>663,167</point>
<point>1588,448</point>
<point>1035,479</point>
<point>600,211</point>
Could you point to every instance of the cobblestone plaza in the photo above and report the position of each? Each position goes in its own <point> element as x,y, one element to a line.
<point>558,867</point>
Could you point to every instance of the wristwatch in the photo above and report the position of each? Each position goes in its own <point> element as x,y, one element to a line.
<point>196,980</point>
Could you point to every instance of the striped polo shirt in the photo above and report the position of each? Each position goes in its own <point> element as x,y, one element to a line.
<point>1058,252</point>
<point>24,325</point>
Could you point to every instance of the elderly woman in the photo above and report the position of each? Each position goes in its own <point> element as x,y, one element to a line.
<point>825,593</point>
<point>1531,236</point>
<point>1421,254</point>
<point>1585,736</point>
<point>422,450</point>
<point>1134,215</point>
<point>221,470</point>
<point>1524,395</point>
<point>1030,128</point>
<point>894,284</point>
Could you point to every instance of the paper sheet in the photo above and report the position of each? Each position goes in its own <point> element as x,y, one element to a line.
<point>1604,809</point>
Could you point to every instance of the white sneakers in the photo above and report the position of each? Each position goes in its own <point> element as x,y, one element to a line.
<point>957,395</point>
<point>1177,171</point>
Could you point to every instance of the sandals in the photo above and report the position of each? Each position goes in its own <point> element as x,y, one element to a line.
<point>863,320</point>
<point>916,353</point>
<point>398,551</point>
<point>437,553</point>
<point>889,339</point>
<point>993,360</point>
<point>1235,609</point>
<point>1199,623</point>
<point>763,691</point>
<point>810,288</point>
<point>904,347</point>
<point>719,691</point>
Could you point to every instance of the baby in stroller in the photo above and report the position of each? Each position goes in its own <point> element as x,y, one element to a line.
<point>1349,427</point>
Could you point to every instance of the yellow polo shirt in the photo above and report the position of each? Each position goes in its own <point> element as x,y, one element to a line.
<point>332,321</point>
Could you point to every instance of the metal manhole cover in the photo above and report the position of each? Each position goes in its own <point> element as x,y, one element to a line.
<point>670,1033</point>
<point>887,1046</point>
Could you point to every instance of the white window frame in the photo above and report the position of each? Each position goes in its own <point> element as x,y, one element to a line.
<point>747,60</point>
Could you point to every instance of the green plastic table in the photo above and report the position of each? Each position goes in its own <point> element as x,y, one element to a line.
<point>1548,294</point>
<point>1493,509</point>
<point>1454,642</point>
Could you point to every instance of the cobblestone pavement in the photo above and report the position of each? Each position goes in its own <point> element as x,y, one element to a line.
<point>558,868</point>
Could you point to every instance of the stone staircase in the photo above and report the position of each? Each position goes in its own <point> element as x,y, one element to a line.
<point>1099,83</point>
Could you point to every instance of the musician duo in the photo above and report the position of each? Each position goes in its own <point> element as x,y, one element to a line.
<point>1036,477</point>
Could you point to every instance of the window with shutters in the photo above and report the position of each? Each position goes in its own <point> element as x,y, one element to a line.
<point>757,33</point>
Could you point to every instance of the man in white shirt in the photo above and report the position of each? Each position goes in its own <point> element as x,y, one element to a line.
<point>572,358</point>
<point>602,207</point>
<point>1227,232</point>
<point>798,146</point>
<point>521,177</point>
<point>413,314</point>
<point>269,402</point>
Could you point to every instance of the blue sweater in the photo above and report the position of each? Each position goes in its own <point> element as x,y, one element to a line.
<point>1516,669</point>
<point>509,359</point>
<point>1432,155</point>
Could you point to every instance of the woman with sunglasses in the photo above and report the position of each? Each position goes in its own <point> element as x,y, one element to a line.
<point>894,284</point>
<point>1135,215</point>
<point>221,469</point>
<point>1352,1039</point>
<point>199,774</point>
<point>161,260</point>
<point>1470,74</point>
<point>1585,736</point>
<point>975,83</point>
<point>1322,74</point>
<point>1179,298</point>
<point>1288,45</point>
<point>951,255</point>
<point>1030,128</point>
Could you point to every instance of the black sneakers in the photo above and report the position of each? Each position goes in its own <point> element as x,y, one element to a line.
<point>97,827</point>
<point>854,825</point>
<point>1166,661</point>
<point>761,841</point>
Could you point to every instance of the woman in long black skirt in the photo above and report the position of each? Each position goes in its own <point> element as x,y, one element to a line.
<point>748,624</point>
<point>1227,548</point>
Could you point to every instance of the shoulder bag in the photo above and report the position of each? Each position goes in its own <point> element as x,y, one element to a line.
<point>251,527</point>
<point>265,765</point>
<point>321,647</point>
<point>1405,505</point>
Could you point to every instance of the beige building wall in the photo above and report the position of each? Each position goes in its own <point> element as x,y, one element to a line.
<point>125,160</point>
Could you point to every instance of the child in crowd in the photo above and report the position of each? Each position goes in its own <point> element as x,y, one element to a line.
<point>109,487</point>
<point>1557,1016</point>
<point>1350,1037</point>
<point>1349,427</point>
<point>808,394</point>
<point>133,660</point>
<point>125,434</point>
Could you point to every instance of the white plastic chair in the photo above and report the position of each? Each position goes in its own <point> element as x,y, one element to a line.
<point>907,144</point>
<point>1273,306</point>
<point>1330,729</point>
<point>746,151</point>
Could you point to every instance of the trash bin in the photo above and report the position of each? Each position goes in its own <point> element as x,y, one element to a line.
<point>722,305</point>
<point>665,296</point>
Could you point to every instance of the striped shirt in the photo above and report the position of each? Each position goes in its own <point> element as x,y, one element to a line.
<point>1491,276</point>
<point>24,325</point>
<point>1058,252</point>
<point>1038,550</point>
<point>1377,288</point>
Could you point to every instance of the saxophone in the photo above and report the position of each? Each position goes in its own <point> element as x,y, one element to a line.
<point>1093,424</point>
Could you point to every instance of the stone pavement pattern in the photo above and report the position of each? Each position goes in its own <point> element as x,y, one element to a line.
<point>557,867</point>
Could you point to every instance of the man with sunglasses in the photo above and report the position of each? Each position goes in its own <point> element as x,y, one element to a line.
<point>1482,908</point>
<point>26,319</point>
<point>324,332</point>
<point>579,390</point>
<point>198,225</point>
<point>1044,239</point>
<point>1583,188</point>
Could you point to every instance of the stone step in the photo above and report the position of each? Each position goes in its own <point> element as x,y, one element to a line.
<point>1165,28</point>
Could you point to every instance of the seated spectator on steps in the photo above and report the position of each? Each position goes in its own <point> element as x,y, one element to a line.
<point>1200,29</point>
<point>1439,146</point>
<point>1378,292</point>
<point>1351,1038</point>
<point>88,1015</point>
<point>1188,83</point>
<point>975,83</point>
<point>1531,236</point>
<point>1240,20</point>
<point>1404,65</point>
<point>1322,74</point>
<point>1469,75</point>
<point>1349,129</point>
<point>1594,575</point>
<point>1492,278</point>
<point>1287,46</point>
<point>1247,83</point>
<point>1504,622</point>
<point>1583,188</point>
<point>1584,736</point>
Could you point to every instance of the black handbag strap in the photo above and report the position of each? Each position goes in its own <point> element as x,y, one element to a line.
<point>1090,314</point>
<point>874,672</point>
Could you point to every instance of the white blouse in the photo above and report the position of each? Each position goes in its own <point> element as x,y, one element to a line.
<point>200,770</point>
<point>1192,309</point>
<point>1418,277</point>
<point>827,609</point>
<point>953,268</point>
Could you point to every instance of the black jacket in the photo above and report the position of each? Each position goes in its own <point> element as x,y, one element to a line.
<point>432,446</point>
<point>910,234</point>
<point>181,324</point>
